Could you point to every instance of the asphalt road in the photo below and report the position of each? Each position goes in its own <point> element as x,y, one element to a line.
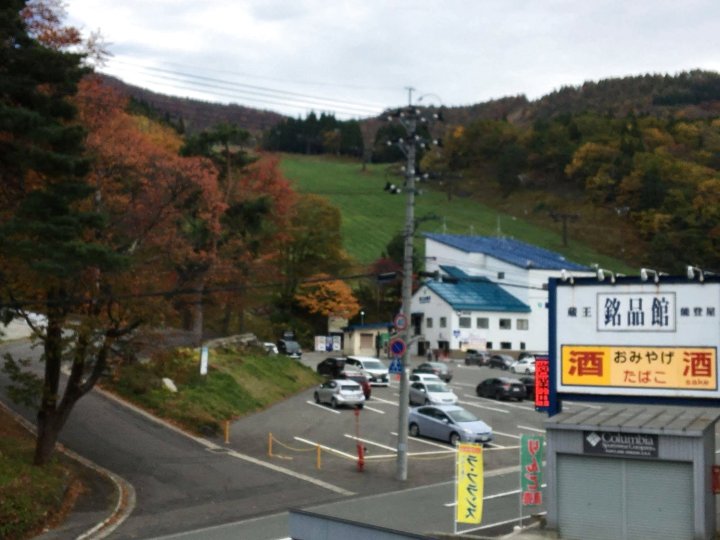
<point>197,488</point>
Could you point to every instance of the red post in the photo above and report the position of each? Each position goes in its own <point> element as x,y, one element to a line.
<point>361,457</point>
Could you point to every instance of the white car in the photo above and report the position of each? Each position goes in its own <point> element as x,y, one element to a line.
<point>431,393</point>
<point>525,365</point>
<point>339,392</point>
<point>372,368</point>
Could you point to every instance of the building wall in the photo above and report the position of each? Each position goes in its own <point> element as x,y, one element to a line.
<point>434,307</point>
<point>526,284</point>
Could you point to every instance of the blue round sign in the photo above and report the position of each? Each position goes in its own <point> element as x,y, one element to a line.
<point>397,347</point>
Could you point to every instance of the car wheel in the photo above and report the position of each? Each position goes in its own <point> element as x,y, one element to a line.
<point>454,439</point>
<point>361,406</point>
<point>334,403</point>
<point>317,397</point>
<point>497,395</point>
<point>477,391</point>
<point>427,402</point>
<point>414,430</point>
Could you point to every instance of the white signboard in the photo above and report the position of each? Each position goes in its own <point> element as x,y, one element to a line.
<point>638,339</point>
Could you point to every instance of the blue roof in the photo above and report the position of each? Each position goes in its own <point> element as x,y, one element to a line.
<point>509,250</point>
<point>476,294</point>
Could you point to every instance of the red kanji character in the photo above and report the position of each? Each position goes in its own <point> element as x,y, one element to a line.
<point>698,364</point>
<point>586,363</point>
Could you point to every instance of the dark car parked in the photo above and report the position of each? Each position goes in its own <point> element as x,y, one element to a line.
<point>441,369</point>
<point>529,383</point>
<point>473,357</point>
<point>502,361</point>
<point>501,388</point>
<point>331,367</point>
<point>289,348</point>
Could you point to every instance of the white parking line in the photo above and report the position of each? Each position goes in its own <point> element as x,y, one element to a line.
<point>506,434</point>
<point>463,384</point>
<point>427,442</point>
<point>530,428</point>
<point>366,408</point>
<point>475,404</point>
<point>385,401</point>
<point>505,403</point>
<point>311,443</point>
<point>323,407</point>
<point>495,496</point>
<point>368,441</point>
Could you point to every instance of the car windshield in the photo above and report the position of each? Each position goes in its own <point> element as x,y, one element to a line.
<point>373,364</point>
<point>461,415</point>
<point>433,387</point>
<point>292,346</point>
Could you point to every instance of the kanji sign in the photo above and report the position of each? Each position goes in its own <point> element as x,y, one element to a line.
<point>531,452</point>
<point>542,384</point>
<point>640,367</point>
<point>469,484</point>
<point>635,338</point>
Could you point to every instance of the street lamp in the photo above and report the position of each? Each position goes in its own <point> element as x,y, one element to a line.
<point>362,317</point>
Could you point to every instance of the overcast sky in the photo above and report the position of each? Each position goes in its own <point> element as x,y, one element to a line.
<point>358,57</point>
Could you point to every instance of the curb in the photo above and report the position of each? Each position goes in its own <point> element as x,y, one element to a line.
<point>126,492</point>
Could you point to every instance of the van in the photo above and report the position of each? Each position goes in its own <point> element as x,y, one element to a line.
<point>372,368</point>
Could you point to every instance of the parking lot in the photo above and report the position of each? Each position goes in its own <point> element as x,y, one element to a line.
<point>322,442</point>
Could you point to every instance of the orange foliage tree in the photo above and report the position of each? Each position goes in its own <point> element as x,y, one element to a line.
<point>328,297</point>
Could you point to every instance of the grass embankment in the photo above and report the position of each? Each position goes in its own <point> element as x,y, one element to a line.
<point>366,207</point>
<point>31,498</point>
<point>238,382</point>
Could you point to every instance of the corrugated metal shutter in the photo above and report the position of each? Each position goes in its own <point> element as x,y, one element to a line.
<point>590,504</point>
<point>659,500</point>
<point>624,499</point>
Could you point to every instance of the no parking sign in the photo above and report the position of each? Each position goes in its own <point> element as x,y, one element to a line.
<point>397,347</point>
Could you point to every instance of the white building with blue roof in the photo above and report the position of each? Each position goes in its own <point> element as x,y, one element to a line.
<point>491,293</point>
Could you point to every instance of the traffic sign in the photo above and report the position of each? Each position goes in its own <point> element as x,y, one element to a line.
<point>397,346</point>
<point>401,322</point>
<point>395,366</point>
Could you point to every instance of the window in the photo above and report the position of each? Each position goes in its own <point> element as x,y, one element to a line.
<point>482,322</point>
<point>522,324</point>
<point>505,345</point>
<point>522,345</point>
<point>501,275</point>
<point>465,322</point>
<point>505,324</point>
<point>443,322</point>
<point>428,322</point>
<point>488,345</point>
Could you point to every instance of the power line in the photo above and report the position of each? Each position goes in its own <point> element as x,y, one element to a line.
<point>294,99</point>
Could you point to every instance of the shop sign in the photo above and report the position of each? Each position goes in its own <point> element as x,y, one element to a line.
<point>614,443</point>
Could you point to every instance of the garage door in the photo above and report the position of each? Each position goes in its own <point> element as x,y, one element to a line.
<point>615,499</point>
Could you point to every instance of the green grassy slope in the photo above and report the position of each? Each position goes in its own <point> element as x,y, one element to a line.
<point>371,216</point>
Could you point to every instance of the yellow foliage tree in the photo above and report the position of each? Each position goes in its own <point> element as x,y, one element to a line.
<point>328,297</point>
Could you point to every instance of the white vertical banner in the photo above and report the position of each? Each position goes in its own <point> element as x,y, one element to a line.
<point>203,360</point>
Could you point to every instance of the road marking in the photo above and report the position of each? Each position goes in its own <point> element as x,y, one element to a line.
<point>367,441</point>
<point>323,407</point>
<point>464,384</point>
<point>506,434</point>
<point>474,404</point>
<point>327,448</point>
<point>530,428</point>
<point>366,408</point>
<point>431,443</point>
<point>385,401</point>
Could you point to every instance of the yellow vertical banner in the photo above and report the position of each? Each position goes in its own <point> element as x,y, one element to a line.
<point>469,483</point>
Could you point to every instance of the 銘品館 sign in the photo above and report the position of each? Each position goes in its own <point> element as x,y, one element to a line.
<point>635,338</point>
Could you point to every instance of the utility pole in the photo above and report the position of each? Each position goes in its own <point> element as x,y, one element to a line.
<point>409,117</point>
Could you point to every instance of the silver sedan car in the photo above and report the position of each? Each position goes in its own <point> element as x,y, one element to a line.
<point>339,392</point>
<point>449,423</point>
<point>431,393</point>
